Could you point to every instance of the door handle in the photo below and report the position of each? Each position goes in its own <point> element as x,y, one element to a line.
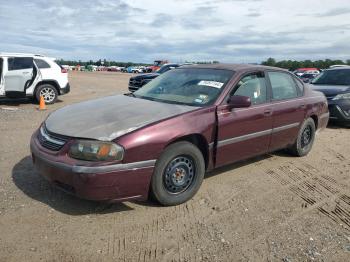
<point>268,112</point>
<point>25,73</point>
<point>303,106</point>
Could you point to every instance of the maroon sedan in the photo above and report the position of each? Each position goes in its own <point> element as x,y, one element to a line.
<point>163,138</point>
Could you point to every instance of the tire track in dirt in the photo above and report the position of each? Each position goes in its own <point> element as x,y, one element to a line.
<point>173,235</point>
<point>316,189</point>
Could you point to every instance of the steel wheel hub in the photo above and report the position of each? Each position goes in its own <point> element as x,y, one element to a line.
<point>179,174</point>
<point>306,137</point>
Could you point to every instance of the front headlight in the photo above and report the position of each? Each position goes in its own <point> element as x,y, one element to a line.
<point>96,151</point>
<point>342,96</point>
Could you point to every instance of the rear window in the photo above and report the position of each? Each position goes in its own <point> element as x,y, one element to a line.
<point>19,63</point>
<point>41,63</point>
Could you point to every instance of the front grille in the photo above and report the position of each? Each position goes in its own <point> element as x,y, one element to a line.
<point>135,83</point>
<point>133,89</point>
<point>51,141</point>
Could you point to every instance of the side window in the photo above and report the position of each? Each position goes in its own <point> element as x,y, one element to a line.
<point>253,86</point>
<point>19,63</point>
<point>41,63</point>
<point>283,86</point>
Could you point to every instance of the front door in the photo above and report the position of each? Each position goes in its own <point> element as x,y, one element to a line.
<point>245,132</point>
<point>18,76</point>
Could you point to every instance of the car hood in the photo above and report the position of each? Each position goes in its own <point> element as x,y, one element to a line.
<point>145,76</point>
<point>330,89</point>
<point>110,117</point>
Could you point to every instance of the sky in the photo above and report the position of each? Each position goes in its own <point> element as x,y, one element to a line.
<point>235,31</point>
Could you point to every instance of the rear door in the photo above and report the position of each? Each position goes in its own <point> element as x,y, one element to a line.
<point>245,132</point>
<point>288,109</point>
<point>19,74</point>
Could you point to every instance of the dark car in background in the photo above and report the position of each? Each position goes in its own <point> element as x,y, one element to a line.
<point>307,78</point>
<point>140,80</point>
<point>335,84</point>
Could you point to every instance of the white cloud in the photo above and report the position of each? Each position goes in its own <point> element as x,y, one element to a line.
<point>178,30</point>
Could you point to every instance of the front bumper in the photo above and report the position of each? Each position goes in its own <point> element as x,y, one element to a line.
<point>339,111</point>
<point>65,90</point>
<point>119,182</point>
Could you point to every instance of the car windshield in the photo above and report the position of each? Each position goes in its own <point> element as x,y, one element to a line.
<point>333,77</point>
<point>187,86</point>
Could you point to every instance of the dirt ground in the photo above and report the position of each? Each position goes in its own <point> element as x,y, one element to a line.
<point>271,208</point>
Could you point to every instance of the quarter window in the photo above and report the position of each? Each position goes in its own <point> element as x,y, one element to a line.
<point>19,63</point>
<point>283,86</point>
<point>41,63</point>
<point>253,86</point>
<point>300,86</point>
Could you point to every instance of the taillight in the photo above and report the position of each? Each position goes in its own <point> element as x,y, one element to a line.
<point>63,70</point>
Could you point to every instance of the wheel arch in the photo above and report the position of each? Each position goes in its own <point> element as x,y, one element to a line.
<point>199,141</point>
<point>315,118</point>
<point>52,82</point>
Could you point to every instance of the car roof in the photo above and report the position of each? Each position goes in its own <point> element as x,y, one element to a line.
<point>170,64</point>
<point>233,67</point>
<point>307,68</point>
<point>20,54</point>
<point>338,68</point>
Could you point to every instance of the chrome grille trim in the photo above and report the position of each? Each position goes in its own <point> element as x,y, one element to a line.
<point>50,141</point>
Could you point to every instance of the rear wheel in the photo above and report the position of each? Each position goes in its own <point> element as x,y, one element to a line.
<point>49,93</point>
<point>178,174</point>
<point>305,139</point>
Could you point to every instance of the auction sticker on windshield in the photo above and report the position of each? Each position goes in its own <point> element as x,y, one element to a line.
<point>210,83</point>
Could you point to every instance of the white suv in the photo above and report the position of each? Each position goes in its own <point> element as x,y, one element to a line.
<point>29,75</point>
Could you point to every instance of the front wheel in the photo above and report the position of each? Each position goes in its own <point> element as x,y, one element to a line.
<point>305,139</point>
<point>48,92</point>
<point>178,174</point>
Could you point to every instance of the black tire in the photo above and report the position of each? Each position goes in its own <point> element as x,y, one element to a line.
<point>50,95</point>
<point>178,174</point>
<point>305,139</point>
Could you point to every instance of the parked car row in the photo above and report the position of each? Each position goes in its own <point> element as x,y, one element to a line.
<point>307,74</point>
<point>140,80</point>
<point>334,83</point>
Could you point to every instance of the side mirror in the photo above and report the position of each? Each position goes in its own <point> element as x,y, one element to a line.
<point>239,102</point>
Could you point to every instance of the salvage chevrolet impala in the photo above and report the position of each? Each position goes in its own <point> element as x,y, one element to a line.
<point>161,140</point>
